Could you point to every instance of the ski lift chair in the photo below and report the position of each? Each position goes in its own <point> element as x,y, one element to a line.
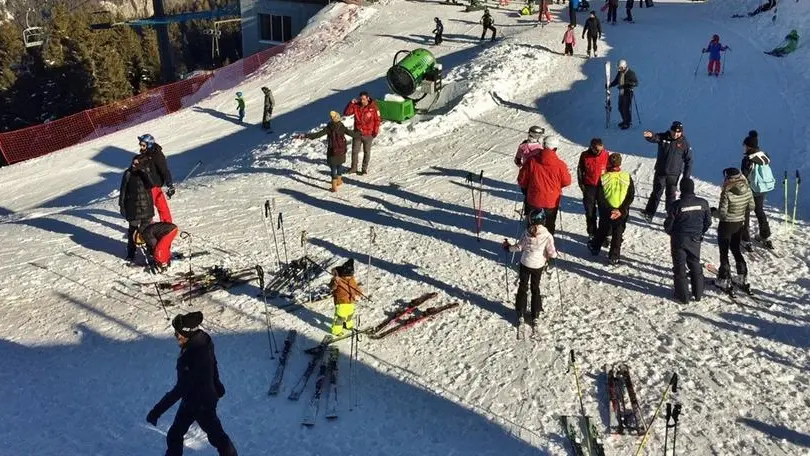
<point>32,36</point>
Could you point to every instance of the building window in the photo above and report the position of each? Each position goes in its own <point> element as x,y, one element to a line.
<point>275,28</point>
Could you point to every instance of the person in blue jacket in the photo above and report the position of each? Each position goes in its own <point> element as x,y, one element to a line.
<point>714,49</point>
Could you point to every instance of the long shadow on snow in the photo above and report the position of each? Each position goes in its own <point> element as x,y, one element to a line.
<point>777,432</point>
<point>57,401</point>
<point>784,333</point>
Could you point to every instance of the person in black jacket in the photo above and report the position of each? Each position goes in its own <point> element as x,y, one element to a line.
<point>488,23</point>
<point>755,157</point>
<point>198,389</point>
<point>627,81</point>
<point>687,221</point>
<point>437,32</point>
<point>151,155</point>
<point>269,103</point>
<point>674,158</point>
<point>594,31</point>
<point>135,202</point>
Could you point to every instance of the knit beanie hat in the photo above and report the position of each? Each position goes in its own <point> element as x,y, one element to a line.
<point>615,160</point>
<point>731,172</point>
<point>687,186</point>
<point>752,140</point>
<point>346,269</point>
<point>187,324</point>
<point>335,116</point>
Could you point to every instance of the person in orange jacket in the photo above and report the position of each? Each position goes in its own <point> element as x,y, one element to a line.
<point>367,122</point>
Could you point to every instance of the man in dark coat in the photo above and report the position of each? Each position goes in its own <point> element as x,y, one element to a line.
<point>687,221</point>
<point>674,158</point>
<point>135,202</point>
<point>594,31</point>
<point>627,81</point>
<point>269,102</point>
<point>335,133</point>
<point>198,389</point>
<point>155,163</point>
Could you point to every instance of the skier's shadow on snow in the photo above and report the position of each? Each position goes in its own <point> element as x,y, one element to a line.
<point>428,39</point>
<point>517,106</point>
<point>777,432</point>
<point>796,335</point>
<point>81,236</point>
<point>219,114</point>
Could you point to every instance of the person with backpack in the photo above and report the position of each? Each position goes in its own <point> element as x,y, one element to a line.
<point>335,133</point>
<point>537,247</point>
<point>736,200</point>
<point>593,28</point>
<point>674,158</point>
<point>615,194</point>
<point>592,165</point>
<point>714,49</point>
<point>756,167</point>
<point>687,222</point>
<point>437,32</point>
<point>542,179</point>
<point>489,24</point>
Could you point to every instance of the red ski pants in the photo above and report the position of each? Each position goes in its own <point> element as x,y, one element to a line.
<point>163,249</point>
<point>714,64</point>
<point>161,204</point>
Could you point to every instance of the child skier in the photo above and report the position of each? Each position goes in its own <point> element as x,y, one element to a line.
<point>344,292</point>
<point>240,106</point>
<point>714,48</point>
<point>569,40</point>
<point>531,146</point>
<point>489,24</point>
<point>537,245</point>
<point>437,32</point>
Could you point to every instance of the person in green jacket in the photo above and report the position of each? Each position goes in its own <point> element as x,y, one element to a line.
<point>736,201</point>
<point>240,106</point>
<point>615,193</point>
<point>790,44</point>
<point>335,133</point>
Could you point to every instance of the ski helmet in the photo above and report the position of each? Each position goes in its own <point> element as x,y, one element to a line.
<point>436,19</point>
<point>551,142</point>
<point>537,216</point>
<point>238,94</point>
<point>536,132</point>
<point>622,64</point>
<point>147,139</point>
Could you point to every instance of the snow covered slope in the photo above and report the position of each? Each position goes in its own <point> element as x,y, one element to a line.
<point>87,349</point>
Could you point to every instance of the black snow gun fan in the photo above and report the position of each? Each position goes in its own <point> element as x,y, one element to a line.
<point>416,75</point>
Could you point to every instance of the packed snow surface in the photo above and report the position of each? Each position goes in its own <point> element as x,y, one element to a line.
<point>87,350</point>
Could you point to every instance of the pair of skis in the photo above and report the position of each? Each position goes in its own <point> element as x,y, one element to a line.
<point>608,107</point>
<point>327,380</point>
<point>479,222</point>
<point>620,392</point>
<point>317,356</point>
<point>581,431</point>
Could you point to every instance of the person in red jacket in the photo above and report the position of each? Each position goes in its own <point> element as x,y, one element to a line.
<point>542,179</point>
<point>367,122</point>
<point>592,164</point>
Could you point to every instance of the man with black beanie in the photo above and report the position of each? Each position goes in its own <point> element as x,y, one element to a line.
<point>687,221</point>
<point>674,159</point>
<point>198,389</point>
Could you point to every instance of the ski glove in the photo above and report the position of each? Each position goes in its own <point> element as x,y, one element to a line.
<point>704,51</point>
<point>170,191</point>
<point>152,417</point>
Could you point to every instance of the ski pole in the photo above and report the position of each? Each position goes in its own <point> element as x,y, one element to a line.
<point>268,217</point>
<point>638,114</point>
<point>283,237</point>
<point>192,170</point>
<point>698,64</point>
<point>357,359</point>
<point>796,196</point>
<point>351,370</point>
<point>470,179</point>
<point>573,365</point>
<point>676,413</point>
<point>162,304</point>
<point>666,428</point>
<point>723,64</point>
<point>372,237</point>
<point>480,203</point>
<point>673,385</point>
<point>785,186</point>
<point>308,278</point>
<point>271,339</point>
<point>506,269</point>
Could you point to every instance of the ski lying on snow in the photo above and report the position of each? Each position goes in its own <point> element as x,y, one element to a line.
<point>572,430</point>
<point>295,394</point>
<point>275,384</point>
<point>332,392</point>
<point>315,401</point>
<point>620,392</point>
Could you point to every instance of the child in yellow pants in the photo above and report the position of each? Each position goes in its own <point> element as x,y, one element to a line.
<point>344,291</point>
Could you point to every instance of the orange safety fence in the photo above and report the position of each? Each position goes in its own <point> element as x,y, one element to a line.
<point>39,140</point>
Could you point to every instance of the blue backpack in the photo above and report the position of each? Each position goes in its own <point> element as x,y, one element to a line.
<point>761,179</point>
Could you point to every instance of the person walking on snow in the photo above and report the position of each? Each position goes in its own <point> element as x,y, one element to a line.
<point>537,247</point>
<point>367,122</point>
<point>674,158</point>
<point>569,40</point>
<point>240,106</point>
<point>542,179</point>
<point>135,202</point>
<point>488,23</point>
<point>629,10</point>
<point>269,103</point>
<point>530,146</point>
<point>615,194</point>
<point>198,389</point>
<point>154,162</point>
<point>544,11</point>
<point>627,81</point>
<point>437,32</point>
<point>593,28</point>
<point>714,49</point>
<point>687,221</point>
<point>756,167</point>
<point>592,165</point>
<point>613,10</point>
<point>335,133</point>
<point>345,292</point>
<point>736,201</point>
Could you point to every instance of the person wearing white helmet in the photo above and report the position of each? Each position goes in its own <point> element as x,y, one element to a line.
<point>530,146</point>
<point>627,81</point>
<point>542,179</point>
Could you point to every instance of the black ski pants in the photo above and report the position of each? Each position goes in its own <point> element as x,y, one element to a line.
<point>661,182</point>
<point>614,229</point>
<point>629,10</point>
<point>268,113</point>
<point>592,43</point>
<point>686,254</point>
<point>206,418</point>
<point>729,237</point>
<point>550,221</point>
<point>613,12</point>
<point>489,27</point>
<point>589,201</point>
<point>762,219</point>
<point>528,275</point>
<point>626,107</point>
<point>438,38</point>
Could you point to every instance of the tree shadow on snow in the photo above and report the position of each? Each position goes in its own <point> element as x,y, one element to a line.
<point>57,400</point>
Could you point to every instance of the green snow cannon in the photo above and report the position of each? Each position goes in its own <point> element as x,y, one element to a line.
<point>416,75</point>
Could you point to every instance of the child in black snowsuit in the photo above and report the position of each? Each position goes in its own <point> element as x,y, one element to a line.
<point>488,23</point>
<point>437,32</point>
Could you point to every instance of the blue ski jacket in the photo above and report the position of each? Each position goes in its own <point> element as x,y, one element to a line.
<point>714,48</point>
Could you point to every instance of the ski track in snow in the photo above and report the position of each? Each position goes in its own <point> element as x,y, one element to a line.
<point>88,351</point>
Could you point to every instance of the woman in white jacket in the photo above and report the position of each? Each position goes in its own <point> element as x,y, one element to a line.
<point>537,247</point>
